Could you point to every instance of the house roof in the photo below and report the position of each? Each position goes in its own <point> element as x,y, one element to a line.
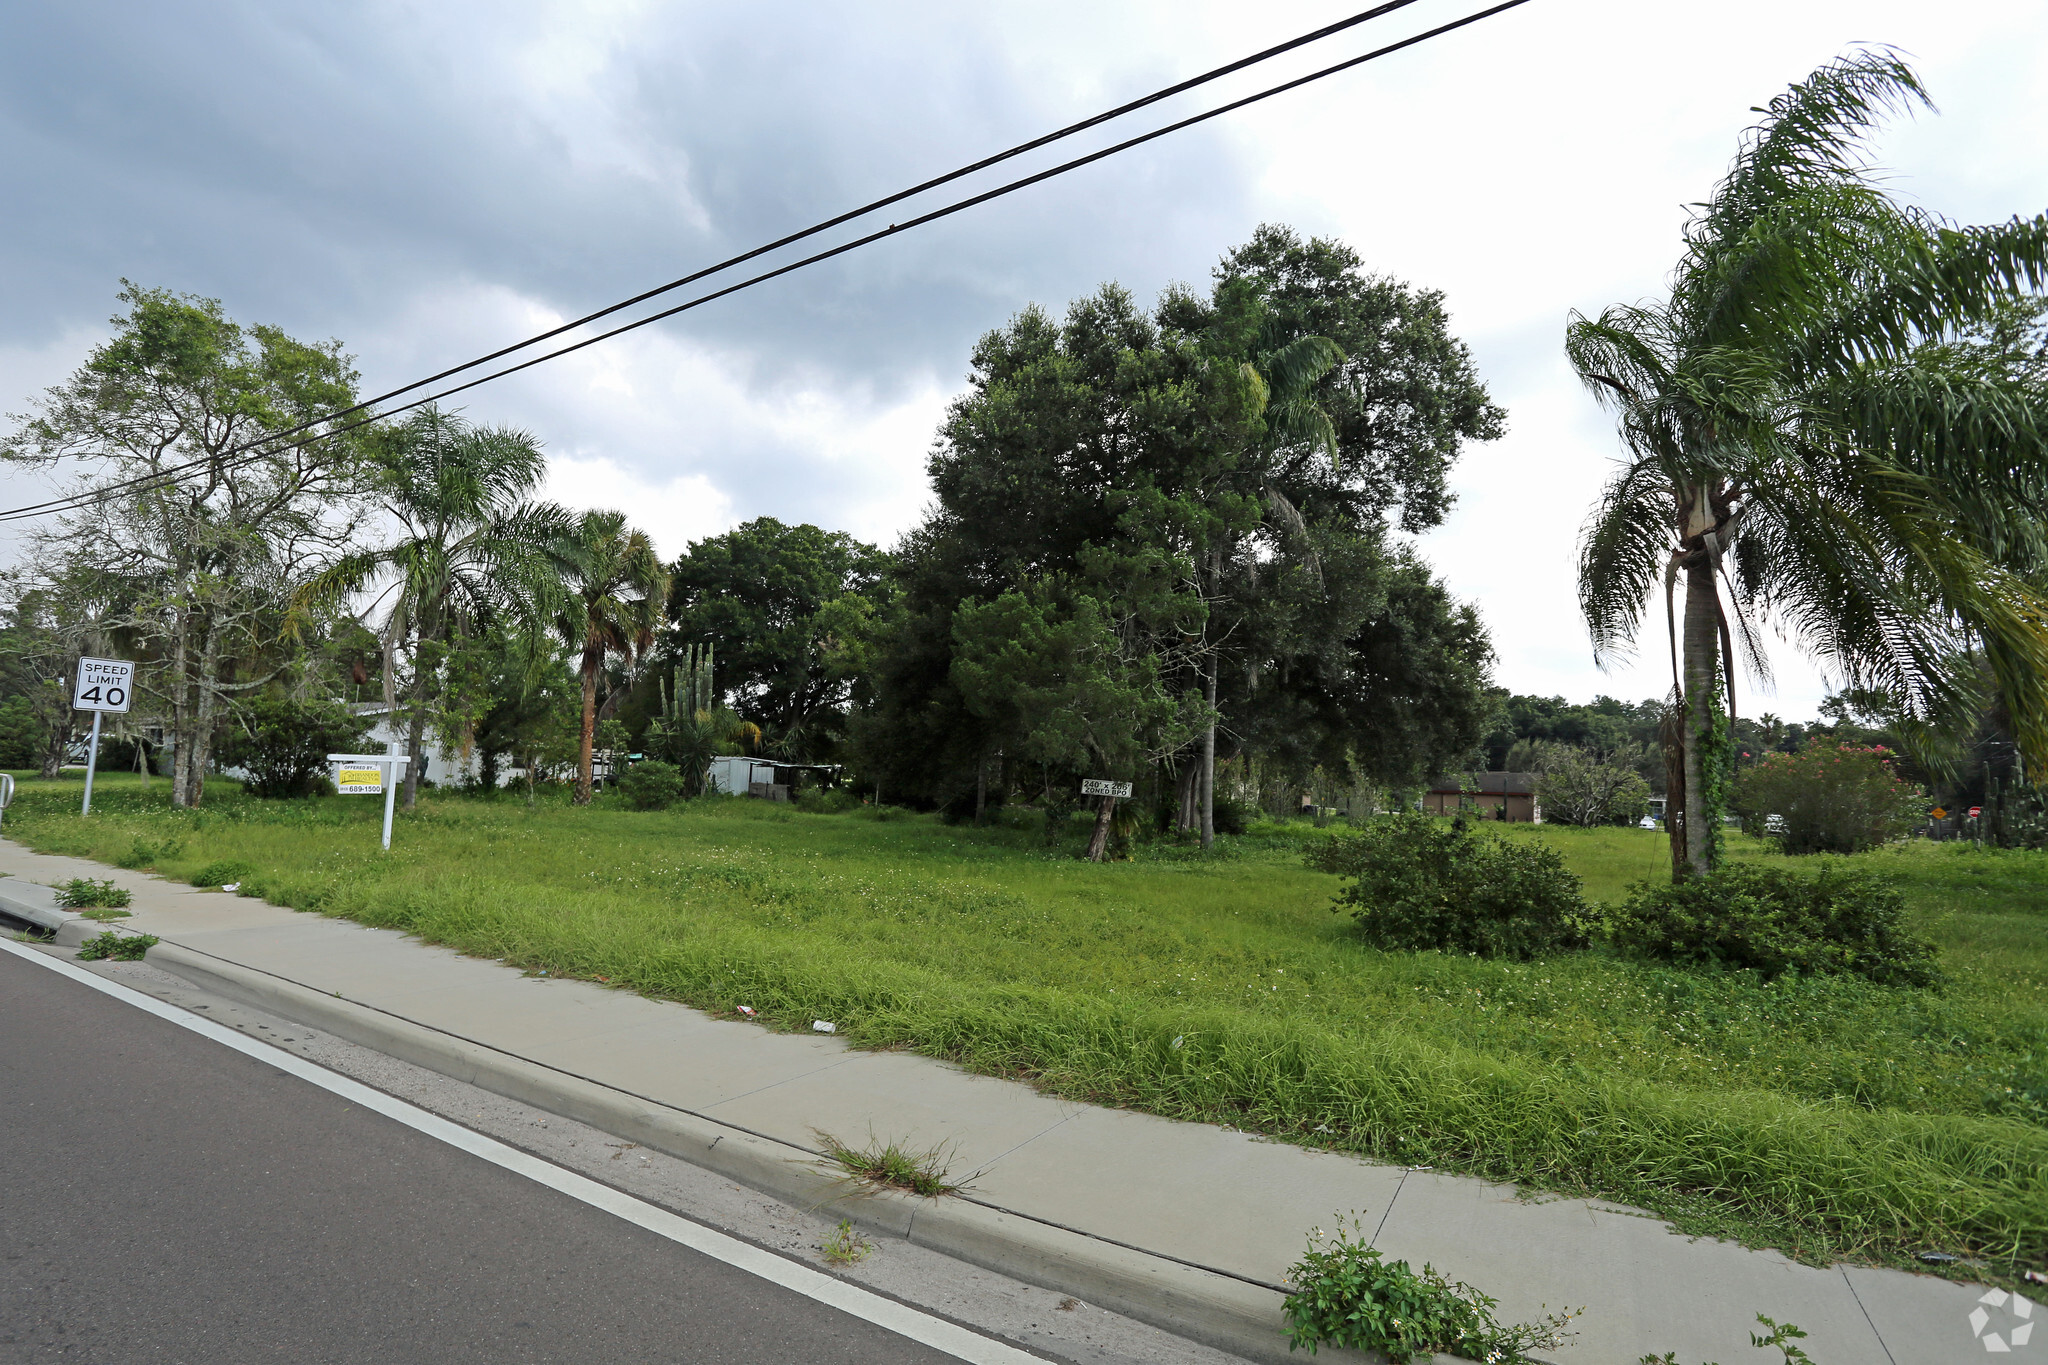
<point>1488,784</point>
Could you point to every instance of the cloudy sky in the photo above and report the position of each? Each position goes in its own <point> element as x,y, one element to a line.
<point>426,182</point>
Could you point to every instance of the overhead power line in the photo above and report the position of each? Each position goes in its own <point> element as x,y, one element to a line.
<point>267,446</point>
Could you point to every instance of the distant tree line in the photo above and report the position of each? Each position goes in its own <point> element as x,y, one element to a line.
<point>1164,548</point>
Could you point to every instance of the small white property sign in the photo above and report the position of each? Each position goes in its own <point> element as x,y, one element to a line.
<point>104,685</point>
<point>359,781</point>
<point>1095,786</point>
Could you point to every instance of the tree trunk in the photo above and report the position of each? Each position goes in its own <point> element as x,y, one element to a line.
<point>197,747</point>
<point>980,790</point>
<point>59,743</point>
<point>181,707</point>
<point>1098,842</point>
<point>1701,657</point>
<point>583,759</point>
<point>1187,817</point>
<point>1209,760</point>
<point>1671,735</point>
<point>416,726</point>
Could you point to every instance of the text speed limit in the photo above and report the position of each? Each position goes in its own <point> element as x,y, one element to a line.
<point>104,685</point>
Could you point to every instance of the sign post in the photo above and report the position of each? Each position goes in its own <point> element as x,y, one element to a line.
<point>103,685</point>
<point>371,775</point>
<point>1111,793</point>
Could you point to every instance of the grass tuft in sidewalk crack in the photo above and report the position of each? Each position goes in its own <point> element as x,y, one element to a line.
<point>893,1166</point>
<point>844,1246</point>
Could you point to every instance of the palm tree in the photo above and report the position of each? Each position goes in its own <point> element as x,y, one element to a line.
<point>614,587</point>
<point>1279,375</point>
<point>470,546</point>
<point>1829,416</point>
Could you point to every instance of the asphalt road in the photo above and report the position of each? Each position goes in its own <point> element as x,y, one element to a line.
<point>167,1199</point>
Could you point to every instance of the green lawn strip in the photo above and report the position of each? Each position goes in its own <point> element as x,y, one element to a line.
<point>1824,1117</point>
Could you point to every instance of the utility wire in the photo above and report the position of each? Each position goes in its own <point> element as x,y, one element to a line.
<point>80,500</point>
<point>268,439</point>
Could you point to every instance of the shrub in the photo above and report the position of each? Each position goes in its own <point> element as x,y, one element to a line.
<point>283,744</point>
<point>651,785</point>
<point>1346,1295</point>
<point>835,801</point>
<point>1230,817</point>
<point>83,893</point>
<point>148,852</point>
<point>119,947</point>
<point>223,872</point>
<point>1772,920</point>
<point>1420,882</point>
<point>1578,789</point>
<point>1831,798</point>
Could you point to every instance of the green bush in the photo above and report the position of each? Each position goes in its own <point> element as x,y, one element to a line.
<point>1772,920</point>
<point>119,947</point>
<point>83,893</point>
<point>651,785</point>
<point>1420,882</point>
<point>1230,816</point>
<point>1346,1296</point>
<point>283,744</point>
<point>836,801</point>
<point>1828,798</point>
<point>224,872</point>
<point>148,852</point>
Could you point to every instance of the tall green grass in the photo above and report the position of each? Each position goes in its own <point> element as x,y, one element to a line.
<point>1827,1117</point>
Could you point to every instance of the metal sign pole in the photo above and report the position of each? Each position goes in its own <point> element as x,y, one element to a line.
<point>92,760</point>
<point>390,792</point>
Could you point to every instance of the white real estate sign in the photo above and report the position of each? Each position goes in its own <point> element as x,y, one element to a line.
<point>370,775</point>
<point>1095,786</point>
<point>104,685</point>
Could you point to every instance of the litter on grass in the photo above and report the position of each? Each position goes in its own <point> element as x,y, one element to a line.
<point>822,1026</point>
<point>747,1010</point>
<point>232,886</point>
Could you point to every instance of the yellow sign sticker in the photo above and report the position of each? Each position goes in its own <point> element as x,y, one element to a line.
<point>359,781</point>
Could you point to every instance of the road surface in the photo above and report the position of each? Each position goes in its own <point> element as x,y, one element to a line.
<point>168,1199</point>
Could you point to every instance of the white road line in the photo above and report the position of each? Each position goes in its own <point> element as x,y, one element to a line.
<point>954,1340</point>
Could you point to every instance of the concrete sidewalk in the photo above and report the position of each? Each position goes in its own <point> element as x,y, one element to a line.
<point>1187,1226</point>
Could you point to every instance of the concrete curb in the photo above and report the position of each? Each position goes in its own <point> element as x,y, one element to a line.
<point>1204,1305</point>
<point>35,905</point>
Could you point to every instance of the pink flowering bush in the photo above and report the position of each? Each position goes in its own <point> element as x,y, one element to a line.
<point>1828,798</point>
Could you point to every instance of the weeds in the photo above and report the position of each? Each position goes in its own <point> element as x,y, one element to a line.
<point>1346,1295</point>
<point>222,872</point>
<point>893,1167</point>
<point>1783,1336</point>
<point>117,947</point>
<point>82,893</point>
<point>845,1246</point>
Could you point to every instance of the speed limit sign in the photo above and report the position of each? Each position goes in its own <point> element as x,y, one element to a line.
<point>104,685</point>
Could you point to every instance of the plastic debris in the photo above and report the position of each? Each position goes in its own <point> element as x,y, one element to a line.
<point>1177,1042</point>
<point>2035,1277</point>
<point>1938,1257</point>
<point>824,1026</point>
<point>232,886</point>
<point>747,1010</point>
<point>1323,1128</point>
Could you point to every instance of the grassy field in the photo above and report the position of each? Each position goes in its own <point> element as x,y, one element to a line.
<point>1827,1117</point>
